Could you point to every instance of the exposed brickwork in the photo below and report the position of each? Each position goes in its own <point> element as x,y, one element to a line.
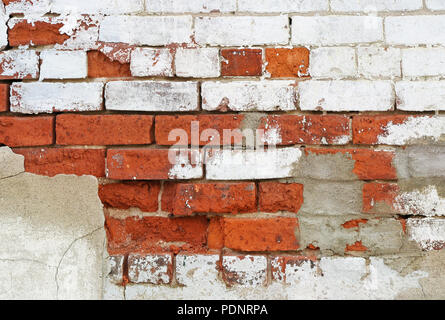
<point>26,131</point>
<point>241,62</point>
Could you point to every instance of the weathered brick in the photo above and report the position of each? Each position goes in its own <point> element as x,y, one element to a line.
<point>48,97</point>
<point>336,30</point>
<point>241,62</point>
<point>287,63</point>
<point>427,232</point>
<point>54,161</point>
<point>415,30</point>
<point>100,66</point>
<point>65,33</point>
<point>4,97</point>
<point>251,164</point>
<point>276,234</point>
<point>435,4</point>
<point>274,196</point>
<point>19,64</point>
<point>375,5</point>
<point>116,269</point>
<point>333,63</point>
<point>153,164</point>
<point>242,30</point>
<point>282,6</point>
<point>215,233</point>
<point>34,7</point>
<point>398,129</point>
<point>374,62</point>
<point>187,199</point>
<point>150,268</point>
<point>146,62</point>
<point>63,64</point>
<point>25,132</point>
<point>106,7</point>
<point>151,96</point>
<point>197,62</point>
<point>379,197</point>
<point>247,271</point>
<point>197,6</point>
<point>196,268</point>
<point>345,95</point>
<point>369,164</point>
<point>103,129</point>
<point>146,234</point>
<point>311,129</point>
<point>142,195</point>
<point>426,161</point>
<point>209,129</point>
<point>420,95</point>
<point>285,268</point>
<point>423,62</point>
<point>133,30</point>
<point>249,95</point>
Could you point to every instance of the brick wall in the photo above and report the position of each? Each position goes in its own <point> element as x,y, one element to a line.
<point>348,98</point>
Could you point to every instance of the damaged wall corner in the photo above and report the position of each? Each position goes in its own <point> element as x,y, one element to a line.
<point>52,234</point>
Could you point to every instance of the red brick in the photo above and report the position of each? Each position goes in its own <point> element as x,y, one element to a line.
<point>275,196</point>
<point>100,66</point>
<point>190,198</point>
<point>369,164</point>
<point>354,223</point>
<point>379,197</point>
<point>287,63</point>
<point>215,233</point>
<point>357,246</point>
<point>26,131</point>
<point>142,195</point>
<point>165,124</point>
<point>72,129</point>
<point>241,62</point>
<point>141,164</point>
<point>54,161</point>
<point>39,33</point>
<point>367,129</point>
<point>4,97</point>
<point>151,234</point>
<point>277,234</point>
<point>314,129</point>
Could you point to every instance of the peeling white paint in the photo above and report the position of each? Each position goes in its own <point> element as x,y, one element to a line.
<point>19,64</point>
<point>429,233</point>
<point>251,164</point>
<point>425,202</point>
<point>153,268</point>
<point>412,130</point>
<point>146,62</point>
<point>197,62</point>
<point>186,165</point>
<point>250,271</point>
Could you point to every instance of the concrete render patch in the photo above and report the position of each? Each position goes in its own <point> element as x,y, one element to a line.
<point>52,236</point>
<point>11,164</point>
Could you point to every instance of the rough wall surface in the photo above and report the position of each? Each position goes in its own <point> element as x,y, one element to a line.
<point>311,137</point>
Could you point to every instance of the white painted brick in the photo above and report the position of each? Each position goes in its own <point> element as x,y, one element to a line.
<point>115,269</point>
<point>146,62</point>
<point>333,62</point>
<point>3,29</point>
<point>336,30</point>
<point>97,6</point>
<point>63,64</point>
<point>47,97</point>
<point>376,62</point>
<point>35,7</point>
<point>414,30</point>
<point>187,6</point>
<point>435,4</point>
<point>346,95</point>
<point>375,5</point>
<point>198,63</point>
<point>242,31</point>
<point>19,64</point>
<point>249,271</point>
<point>282,6</point>
<point>200,268</point>
<point>151,96</point>
<point>249,95</point>
<point>152,268</point>
<point>429,233</point>
<point>420,95</point>
<point>146,30</point>
<point>419,62</point>
<point>251,164</point>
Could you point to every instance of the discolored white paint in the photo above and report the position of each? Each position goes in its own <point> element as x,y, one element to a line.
<point>146,62</point>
